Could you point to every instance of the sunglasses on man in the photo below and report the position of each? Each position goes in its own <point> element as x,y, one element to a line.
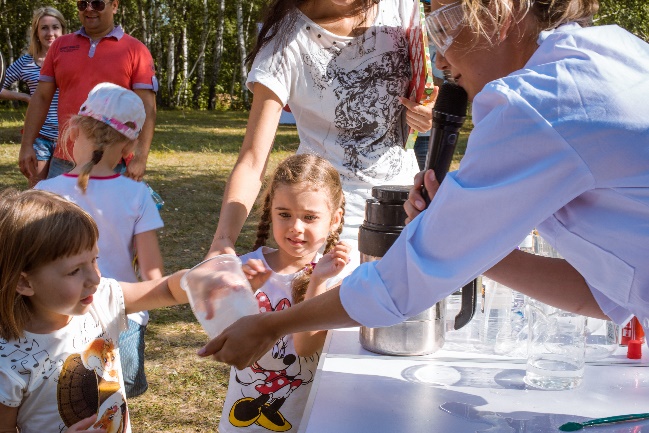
<point>95,5</point>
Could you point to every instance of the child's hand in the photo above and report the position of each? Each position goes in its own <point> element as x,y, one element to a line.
<point>85,426</point>
<point>333,262</point>
<point>256,272</point>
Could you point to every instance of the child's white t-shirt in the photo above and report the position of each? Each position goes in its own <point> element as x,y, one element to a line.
<point>57,379</point>
<point>270,395</point>
<point>122,208</point>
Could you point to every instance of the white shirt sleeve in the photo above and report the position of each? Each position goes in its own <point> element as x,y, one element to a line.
<point>478,215</point>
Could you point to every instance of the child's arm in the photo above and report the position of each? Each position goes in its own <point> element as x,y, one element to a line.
<point>331,264</point>
<point>149,258</point>
<point>147,295</point>
<point>8,419</point>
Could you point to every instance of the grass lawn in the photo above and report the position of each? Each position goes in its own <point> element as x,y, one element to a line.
<point>192,155</point>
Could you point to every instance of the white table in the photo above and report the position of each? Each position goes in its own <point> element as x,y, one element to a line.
<point>357,391</point>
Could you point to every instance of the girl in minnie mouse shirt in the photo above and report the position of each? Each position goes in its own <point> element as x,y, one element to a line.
<point>304,208</point>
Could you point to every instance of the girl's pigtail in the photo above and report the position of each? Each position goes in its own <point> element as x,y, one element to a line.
<point>301,283</point>
<point>264,224</point>
<point>82,181</point>
<point>334,236</point>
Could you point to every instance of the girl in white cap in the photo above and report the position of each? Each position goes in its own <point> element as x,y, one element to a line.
<point>105,130</point>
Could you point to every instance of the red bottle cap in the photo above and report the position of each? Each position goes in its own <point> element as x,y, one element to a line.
<point>634,349</point>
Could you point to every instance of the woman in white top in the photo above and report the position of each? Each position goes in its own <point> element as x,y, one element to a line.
<point>342,66</point>
<point>560,142</point>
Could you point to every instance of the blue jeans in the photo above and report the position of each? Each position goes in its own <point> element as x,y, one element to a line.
<point>58,167</point>
<point>131,352</point>
<point>421,149</point>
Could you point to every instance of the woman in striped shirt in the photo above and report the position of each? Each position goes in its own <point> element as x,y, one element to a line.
<point>47,25</point>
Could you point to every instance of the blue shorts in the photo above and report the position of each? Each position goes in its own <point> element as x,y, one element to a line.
<point>58,167</point>
<point>44,148</point>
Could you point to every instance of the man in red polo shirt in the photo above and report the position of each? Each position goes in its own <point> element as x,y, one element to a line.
<point>98,52</point>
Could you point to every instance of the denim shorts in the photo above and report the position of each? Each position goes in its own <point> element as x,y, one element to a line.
<point>44,148</point>
<point>58,167</point>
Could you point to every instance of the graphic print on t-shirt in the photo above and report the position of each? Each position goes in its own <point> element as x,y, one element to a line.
<point>89,384</point>
<point>269,382</point>
<point>367,112</point>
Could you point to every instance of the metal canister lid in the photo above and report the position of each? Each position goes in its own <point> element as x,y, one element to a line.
<point>375,243</point>
<point>384,216</point>
<point>391,193</point>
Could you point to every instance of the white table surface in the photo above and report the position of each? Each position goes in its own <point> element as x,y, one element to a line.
<point>357,391</point>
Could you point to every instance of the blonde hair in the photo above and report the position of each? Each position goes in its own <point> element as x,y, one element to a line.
<point>312,170</point>
<point>35,44</point>
<point>36,228</point>
<point>488,17</point>
<point>101,134</point>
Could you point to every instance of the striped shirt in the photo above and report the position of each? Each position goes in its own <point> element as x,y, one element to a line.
<point>26,70</point>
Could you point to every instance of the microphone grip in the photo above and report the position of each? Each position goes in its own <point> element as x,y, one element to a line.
<point>440,152</point>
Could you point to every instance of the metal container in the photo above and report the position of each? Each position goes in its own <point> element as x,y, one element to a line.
<point>419,335</point>
<point>425,332</point>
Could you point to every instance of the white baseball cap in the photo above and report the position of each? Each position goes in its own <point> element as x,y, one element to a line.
<point>117,107</point>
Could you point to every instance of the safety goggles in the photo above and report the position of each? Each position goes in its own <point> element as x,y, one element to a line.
<point>444,24</point>
<point>95,5</point>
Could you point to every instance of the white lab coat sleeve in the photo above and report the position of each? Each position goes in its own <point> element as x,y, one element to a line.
<point>481,212</point>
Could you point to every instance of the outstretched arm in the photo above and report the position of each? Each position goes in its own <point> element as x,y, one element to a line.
<point>246,177</point>
<point>250,337</point>
<point>147,295</point>
<point>552,281</point>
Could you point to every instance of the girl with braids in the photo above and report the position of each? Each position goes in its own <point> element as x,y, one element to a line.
<point>105,130</point>
<point>560,143</point>
<point>303,207</point>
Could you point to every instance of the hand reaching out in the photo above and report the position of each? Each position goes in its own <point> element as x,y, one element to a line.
<point>256,273</point>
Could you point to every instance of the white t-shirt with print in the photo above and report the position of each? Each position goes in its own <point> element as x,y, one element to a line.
<point>270,395</point>
<point>122,208</point>
<point>344,93</point>
<point>57,379</point>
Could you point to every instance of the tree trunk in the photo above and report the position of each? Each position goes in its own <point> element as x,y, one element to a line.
<point>171,68</point>
<point>182,90</point>
<point>142,15</point>
<point>242,52</point>
<point>218,54</point>
<point>200,62</point>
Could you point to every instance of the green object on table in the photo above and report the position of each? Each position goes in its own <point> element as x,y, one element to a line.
<point>574,426</point>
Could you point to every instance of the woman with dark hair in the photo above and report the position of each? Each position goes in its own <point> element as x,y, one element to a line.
<point>47,25</point>
<point>560,143</point>
<point>342,66</point>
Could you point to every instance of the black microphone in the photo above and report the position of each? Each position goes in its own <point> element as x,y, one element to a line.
<point>449,114</point>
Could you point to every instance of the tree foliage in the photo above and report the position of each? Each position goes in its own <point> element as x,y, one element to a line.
<point>198,65</point>
<point>191,25</point>
<point>633,15</point>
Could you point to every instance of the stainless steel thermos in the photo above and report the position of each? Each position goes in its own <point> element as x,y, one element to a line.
<point>425,332</point>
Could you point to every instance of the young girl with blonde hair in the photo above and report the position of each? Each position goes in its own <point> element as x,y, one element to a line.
<point>303,207</point>
<point>105,130</point>
<point>60,320</point>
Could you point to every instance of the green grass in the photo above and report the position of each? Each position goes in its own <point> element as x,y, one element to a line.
<point>192,155</point>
